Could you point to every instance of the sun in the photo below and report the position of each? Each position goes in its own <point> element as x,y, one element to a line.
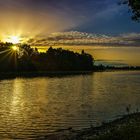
<point>12,39</point>
<point>15,48</point>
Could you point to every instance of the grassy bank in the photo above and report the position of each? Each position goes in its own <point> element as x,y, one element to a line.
<point>125,128</point>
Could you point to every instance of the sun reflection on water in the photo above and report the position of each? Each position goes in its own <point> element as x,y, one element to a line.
<point>17,100</point>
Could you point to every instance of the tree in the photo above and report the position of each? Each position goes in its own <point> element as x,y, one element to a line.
<point>134,5</point>
<point>32,60</point>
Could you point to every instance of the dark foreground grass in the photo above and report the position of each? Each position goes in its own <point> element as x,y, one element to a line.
<point>125,128</point>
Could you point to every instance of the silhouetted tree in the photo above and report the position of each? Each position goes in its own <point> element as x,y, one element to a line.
<point>8,58</point>
<point>134,6</point>
<point>27,49</point>
<point>53,60</point>
<point>83,52</point>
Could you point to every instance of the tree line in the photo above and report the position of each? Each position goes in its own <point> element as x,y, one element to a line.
<point>29,59</point>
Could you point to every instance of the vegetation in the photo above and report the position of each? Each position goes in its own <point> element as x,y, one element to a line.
<point>103,68</point>
<point>125,128</point>
<point>135,8</point>
<point>25,59</point>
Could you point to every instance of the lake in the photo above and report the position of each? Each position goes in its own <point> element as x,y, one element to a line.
<point>34,107</point>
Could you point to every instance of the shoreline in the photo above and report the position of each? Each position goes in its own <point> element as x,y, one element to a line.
<point>33,74</point>
<point>123,128</point>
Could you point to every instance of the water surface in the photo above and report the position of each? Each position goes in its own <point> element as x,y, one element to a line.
<point>32,107</point>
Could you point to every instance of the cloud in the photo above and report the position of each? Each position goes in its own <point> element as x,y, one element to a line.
<point>33,17</point>
<point>83,38</point>
<point>40,17</point>
<point>131,36</point>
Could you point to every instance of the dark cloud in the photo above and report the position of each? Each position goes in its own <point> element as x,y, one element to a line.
<point>45,16</point>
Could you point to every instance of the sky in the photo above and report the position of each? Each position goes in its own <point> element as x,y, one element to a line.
<point>42,17</point>
<point>72,22</point>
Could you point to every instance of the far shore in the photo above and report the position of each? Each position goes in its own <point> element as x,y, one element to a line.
<point>32,74</point>
<point>10,75</point>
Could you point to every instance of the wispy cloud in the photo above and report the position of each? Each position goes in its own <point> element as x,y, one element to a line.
<point>83,38</point>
